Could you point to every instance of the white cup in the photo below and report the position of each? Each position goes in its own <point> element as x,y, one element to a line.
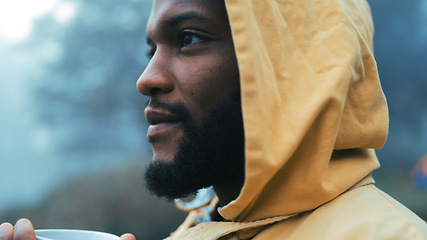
<point>72,234</point>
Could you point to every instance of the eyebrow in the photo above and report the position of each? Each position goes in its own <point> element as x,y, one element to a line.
<point>174,20</point>
<point>191,15</point>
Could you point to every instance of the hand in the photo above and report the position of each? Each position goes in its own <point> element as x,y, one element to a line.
<point>126,236</point>
<point>24,230</point>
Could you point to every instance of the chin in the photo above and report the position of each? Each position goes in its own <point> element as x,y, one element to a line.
<point>162,158</point>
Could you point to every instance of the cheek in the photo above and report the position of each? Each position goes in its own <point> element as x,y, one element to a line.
<point>207,81</point>
<point>216,81</point>
<point>215,85</point>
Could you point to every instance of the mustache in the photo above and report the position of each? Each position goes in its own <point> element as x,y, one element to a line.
<point>177,109</point>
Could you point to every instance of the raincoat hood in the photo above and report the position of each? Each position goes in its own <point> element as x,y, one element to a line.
<point>313,108</point>
<point>313,113</point>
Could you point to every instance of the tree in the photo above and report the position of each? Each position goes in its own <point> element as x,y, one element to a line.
<point>87,95</point>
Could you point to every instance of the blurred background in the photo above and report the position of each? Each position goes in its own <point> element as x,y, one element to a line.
<point>72,129</point>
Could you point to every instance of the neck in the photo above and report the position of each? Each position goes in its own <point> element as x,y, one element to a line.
<point>230,190</point>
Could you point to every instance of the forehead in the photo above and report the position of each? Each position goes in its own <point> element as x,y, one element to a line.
<point>167,11</point>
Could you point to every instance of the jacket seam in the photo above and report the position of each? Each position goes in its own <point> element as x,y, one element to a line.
<point>408,220</point>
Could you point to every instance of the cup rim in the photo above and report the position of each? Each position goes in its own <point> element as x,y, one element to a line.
<point>41,231</point>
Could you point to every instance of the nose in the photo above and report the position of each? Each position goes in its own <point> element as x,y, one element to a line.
<point>156,78</point>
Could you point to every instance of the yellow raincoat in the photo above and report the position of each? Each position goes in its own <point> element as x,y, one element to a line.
<point>313,111</point>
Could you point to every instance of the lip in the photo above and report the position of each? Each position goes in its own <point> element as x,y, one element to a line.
<point>155,116</point>
<point>161,122</point>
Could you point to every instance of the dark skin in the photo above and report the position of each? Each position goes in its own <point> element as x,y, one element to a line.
<point>193,62</point>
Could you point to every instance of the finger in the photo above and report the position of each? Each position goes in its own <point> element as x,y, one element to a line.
<point>24,230</point>
<point>6,231</point>
<point>127,236</point>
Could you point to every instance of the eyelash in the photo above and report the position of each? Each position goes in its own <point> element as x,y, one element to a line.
<point>181,38</point>
<point>150,53</point>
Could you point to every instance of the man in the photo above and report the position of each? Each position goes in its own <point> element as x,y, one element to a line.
<point>278,106</point>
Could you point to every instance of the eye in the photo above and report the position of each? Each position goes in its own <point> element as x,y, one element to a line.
<point>150,53</point>
<point>189,39</point>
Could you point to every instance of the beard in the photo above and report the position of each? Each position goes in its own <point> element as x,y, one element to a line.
<point>211,154</point>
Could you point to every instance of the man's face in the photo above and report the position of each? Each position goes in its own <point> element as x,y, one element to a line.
<point>193,84</point>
